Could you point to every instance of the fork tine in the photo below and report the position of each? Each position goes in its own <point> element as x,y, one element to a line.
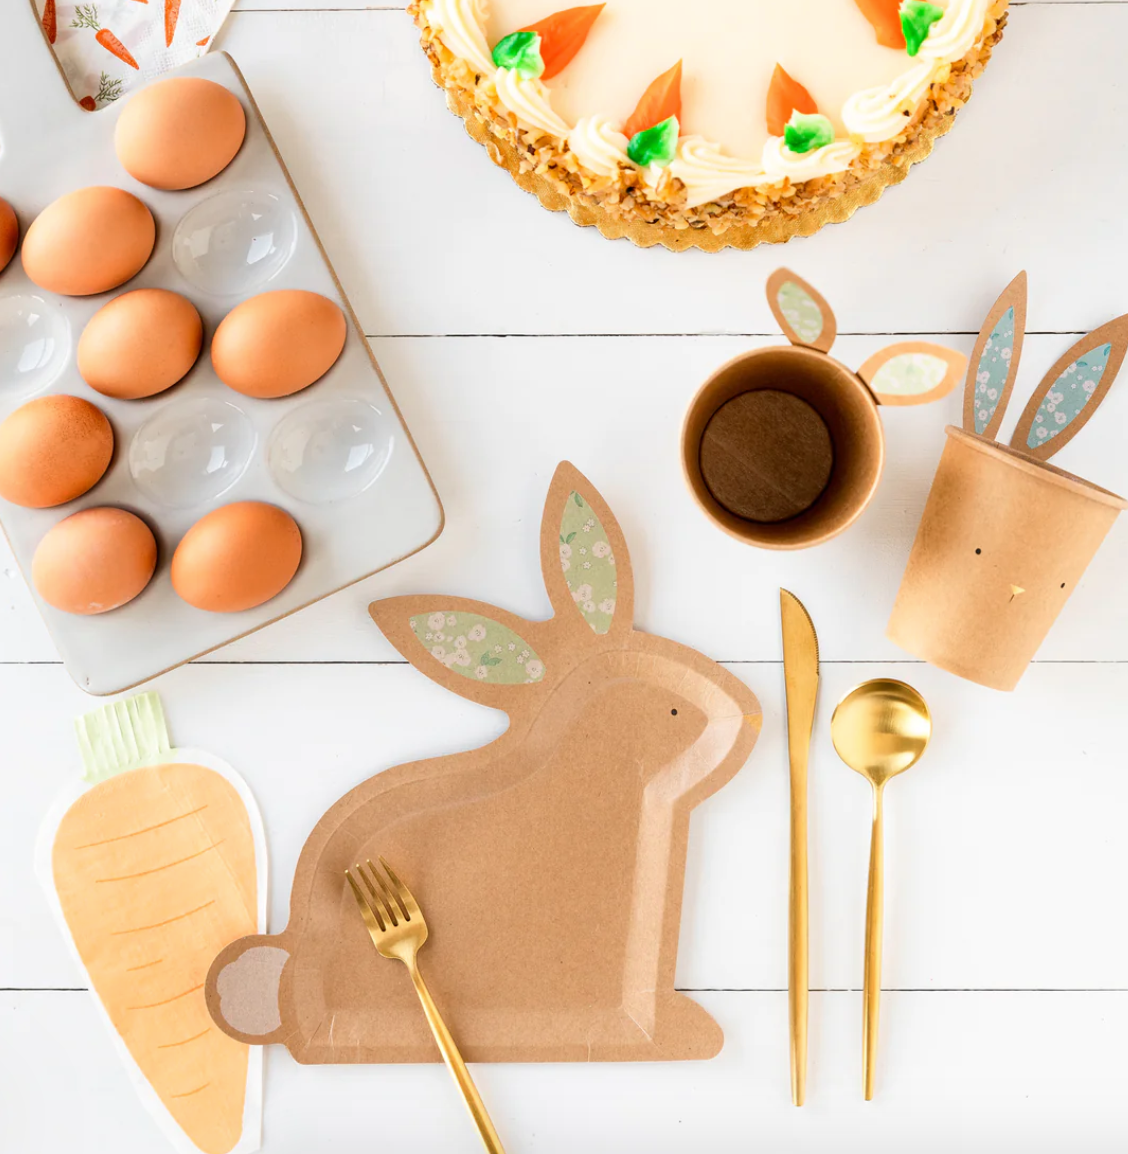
<point>375,900</point>
<point>392,901</point>
<point>405,896</point>
<point>371,919</point>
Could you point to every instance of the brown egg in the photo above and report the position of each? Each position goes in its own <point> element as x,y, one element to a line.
<point>94,561</point>
<point>237,557</point>
<point>52,450</point>
<point>9,233</point>
<point>277,343</point>
<point>139,344</point>
<point>89,241</point>
<point>179,132</point>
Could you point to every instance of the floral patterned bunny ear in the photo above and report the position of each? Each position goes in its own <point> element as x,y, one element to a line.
<point>913,373</point>
<point>584,557</point>
<point>588,562</point>
<point>477,647</point>
<point>801,311</point>
<point>994,361</point>
<point>1072,391</point>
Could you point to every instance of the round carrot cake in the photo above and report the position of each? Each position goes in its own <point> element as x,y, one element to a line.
<point>723,122</point>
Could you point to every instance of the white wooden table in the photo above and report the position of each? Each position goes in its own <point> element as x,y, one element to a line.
<point>1006,954</point>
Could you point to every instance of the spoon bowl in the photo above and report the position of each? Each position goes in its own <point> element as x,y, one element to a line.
<point>879,730</point>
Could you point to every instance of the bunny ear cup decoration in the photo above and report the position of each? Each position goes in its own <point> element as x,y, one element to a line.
<point>913,373</point>
<point>1072,391</point>
<point>994,361</point>
<point>801,311</point>
<point>1005,538</point>
<point>577,816</point>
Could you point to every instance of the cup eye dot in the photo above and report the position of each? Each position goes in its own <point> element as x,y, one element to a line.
<point>978,551</point>
<point>673,713</point>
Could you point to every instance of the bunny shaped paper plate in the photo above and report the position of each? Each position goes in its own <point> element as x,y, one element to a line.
<point>550,862</point>
<point>1006,537</point>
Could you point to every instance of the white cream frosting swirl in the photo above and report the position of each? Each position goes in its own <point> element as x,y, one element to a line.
<point>708,173</point>
<point>872,116</point>
<point>879,114</point>
<point>779,161</point>
<point>462,24</point>
<point>530,102</point>
<point>954,35</point>
<point>599,145</point>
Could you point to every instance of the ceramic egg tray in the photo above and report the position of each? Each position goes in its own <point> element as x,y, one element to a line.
<point>336,456</point>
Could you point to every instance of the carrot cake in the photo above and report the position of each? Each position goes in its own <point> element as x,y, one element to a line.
<point>725,122</point>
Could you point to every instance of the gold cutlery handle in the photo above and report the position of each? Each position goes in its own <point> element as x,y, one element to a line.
<point>455,1064</point>
<point>874,916</point>
<point>797,947</point>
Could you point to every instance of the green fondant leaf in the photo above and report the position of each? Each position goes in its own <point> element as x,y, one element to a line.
<point>807,131</point>
<point>588,564</point>
<point>917,18</point>
<point>657,145</point>
<point>506,659</point>
<point>520,52</point>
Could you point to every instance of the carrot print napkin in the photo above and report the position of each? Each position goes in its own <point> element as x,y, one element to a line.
<point>107,47</point>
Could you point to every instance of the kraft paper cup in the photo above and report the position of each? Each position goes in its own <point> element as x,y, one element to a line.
<point>1003,542</point>
<point>847,408</point>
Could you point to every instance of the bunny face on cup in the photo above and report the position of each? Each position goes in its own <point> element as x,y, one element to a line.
<point>783,447</point>
<point>1006,537</point>
<point>549,863</point>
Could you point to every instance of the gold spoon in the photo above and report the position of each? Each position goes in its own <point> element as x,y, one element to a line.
<point>879,729</point>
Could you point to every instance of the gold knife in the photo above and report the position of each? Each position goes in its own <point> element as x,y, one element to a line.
<point>801,680</point>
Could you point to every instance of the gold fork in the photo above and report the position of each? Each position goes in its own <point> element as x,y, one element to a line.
<point>395,924</point>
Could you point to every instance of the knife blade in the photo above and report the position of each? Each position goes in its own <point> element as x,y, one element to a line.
<point>801,683</point>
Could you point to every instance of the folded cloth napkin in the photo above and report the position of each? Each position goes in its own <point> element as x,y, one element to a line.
<point>107,47</point>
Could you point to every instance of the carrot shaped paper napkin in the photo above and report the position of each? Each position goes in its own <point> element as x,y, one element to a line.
<point>107,47</point>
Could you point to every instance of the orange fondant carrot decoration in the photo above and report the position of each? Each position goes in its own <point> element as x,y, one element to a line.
<point>201,43</point>
<point>50,21</point>
<point>172,14</point>
<point>112,44</point>
<point>786,96</point>
<point>885,16</point>
<point>563,35</point>
<point>89,103</point>
<point>659,102</point>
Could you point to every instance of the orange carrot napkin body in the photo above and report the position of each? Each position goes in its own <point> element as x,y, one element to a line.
<point>156,865</point>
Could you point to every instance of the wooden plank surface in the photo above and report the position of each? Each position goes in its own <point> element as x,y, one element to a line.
<point>1006,960</point>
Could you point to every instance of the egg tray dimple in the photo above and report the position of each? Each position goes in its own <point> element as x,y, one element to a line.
<point>396,511</point>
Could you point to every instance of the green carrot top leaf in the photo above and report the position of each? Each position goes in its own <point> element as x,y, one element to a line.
<point>917,18</point>
<point>520,52</point>
<point>86,16</point>
<point>807,131</point>
<point>657,145</point>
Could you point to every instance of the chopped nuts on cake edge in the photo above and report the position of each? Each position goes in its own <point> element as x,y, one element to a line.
<point>623,207</point>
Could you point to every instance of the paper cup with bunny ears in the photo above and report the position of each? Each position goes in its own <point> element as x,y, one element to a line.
<point>1005,536</point>
<point>783,447</point>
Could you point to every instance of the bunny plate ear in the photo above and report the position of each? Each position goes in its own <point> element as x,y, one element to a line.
<point>1072,391</point>
<point>801,311</point>
<point>587,570</point>
<point>475,650</point>
<point>994,361</point>
<point>913,373</point>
